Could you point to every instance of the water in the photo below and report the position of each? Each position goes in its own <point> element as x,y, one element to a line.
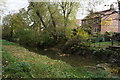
<point>74,60</point>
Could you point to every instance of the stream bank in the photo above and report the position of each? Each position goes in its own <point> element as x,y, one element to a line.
<point>91,63</point>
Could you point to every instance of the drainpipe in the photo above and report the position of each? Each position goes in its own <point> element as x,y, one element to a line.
<point>119,16</point>
<point>119,6</point>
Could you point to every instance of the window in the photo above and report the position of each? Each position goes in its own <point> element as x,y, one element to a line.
<point>96,29</point>
<point>82,21</point>
<point>96,20</point>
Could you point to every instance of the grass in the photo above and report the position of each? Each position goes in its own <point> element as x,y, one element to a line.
<point>19,62</point>
<point>105,44</point>
<point>4,42</point>
<point>13,68</point>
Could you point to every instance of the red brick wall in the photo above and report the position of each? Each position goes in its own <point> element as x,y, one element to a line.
<point>115,23</point>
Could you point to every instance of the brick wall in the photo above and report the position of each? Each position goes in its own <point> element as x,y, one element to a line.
<point>114,26</point>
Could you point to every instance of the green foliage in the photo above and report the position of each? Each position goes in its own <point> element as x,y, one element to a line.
<point>4,42</point>
<point>12,68</point>
<point>116,36</point>
<point>81,72</point>
<point>31,37</point>
<point>45,39</point>
<point>43,24</point>
<point>7,58</point>
<point>18,70</point>
<point>78,41</point>
<point>40,66</point>
<point>100,73</point>
<point>50,16</point>
<point>78,33</point>
<point>12,23</point>
<point>26,37</point>
<point>104,44</point>
<point>6,33</point>
<point>102,53</point>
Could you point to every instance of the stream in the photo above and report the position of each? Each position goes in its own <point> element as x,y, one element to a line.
<point>88,63</point>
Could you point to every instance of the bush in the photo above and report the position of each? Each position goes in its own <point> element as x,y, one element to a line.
<point>45,39</point>
<point>6,33</point>
<point>117,36</point>
<point>102,53</point>
<point>73,46</point>
<point>78,42</point>
<point>32,38</point>
<point>100,73</point>
<point>26,37</point>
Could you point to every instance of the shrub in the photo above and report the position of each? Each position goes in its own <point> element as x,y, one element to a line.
<point>26,37</point>
<point>6,32</point>
<point>32,38</point>
<point>45,39</point>
<point>100,73</point>
<point>117,36</point>
<point>102,53</point>
<point>78,42</point>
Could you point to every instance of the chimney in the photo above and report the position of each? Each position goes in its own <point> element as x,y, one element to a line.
<point>112,7</point>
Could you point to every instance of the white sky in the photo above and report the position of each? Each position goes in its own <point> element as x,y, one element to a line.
<point>15,5</point>
<point>83,12</point>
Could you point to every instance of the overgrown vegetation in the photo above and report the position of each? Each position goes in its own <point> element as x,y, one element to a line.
<point>78,42</point>
<point>20,63</point>
<point>47,25</point>
<point>40,26</point>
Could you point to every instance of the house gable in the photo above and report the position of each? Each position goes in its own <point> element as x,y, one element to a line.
<point>110,16</point>
<point>113,23</point>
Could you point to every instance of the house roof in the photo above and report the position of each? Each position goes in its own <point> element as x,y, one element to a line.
<point>100,14</point>
<point>109,10</point>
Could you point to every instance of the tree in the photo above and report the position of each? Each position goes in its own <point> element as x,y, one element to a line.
<point>69,10</point>
<point>52,15</point>
<point>13,23</point>
<point>44,15</point>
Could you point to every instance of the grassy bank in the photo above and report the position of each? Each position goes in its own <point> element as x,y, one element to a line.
<point>105,44</point>
<point>19,62</point>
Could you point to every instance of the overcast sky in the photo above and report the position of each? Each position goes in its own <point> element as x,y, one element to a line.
<point>104,6</point>
<point>15,5</point>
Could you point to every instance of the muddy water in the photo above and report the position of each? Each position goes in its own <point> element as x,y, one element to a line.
<point>75,60</point>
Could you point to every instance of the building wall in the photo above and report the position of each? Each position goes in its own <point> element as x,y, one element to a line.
<point>112,24</point>
<point>119,23</point>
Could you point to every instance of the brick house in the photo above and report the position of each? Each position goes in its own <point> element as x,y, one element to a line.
<point>103,21</point>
